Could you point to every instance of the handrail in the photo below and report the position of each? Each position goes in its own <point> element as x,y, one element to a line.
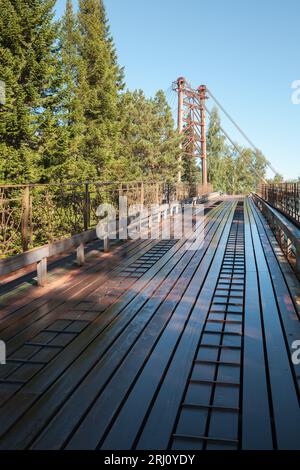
<point>34,214</point>
<point>78,183</point>
<point>287,232</point>
<point>284,197</point>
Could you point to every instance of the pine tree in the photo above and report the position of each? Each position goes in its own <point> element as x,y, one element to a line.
<point>72,68</point>
<point>72,164</point>
<point>164,139</point>
<point>100,81</point>
<point>28,65</point>
<point>191,168</point>
<point>149,146</point>
<point>243,170</point>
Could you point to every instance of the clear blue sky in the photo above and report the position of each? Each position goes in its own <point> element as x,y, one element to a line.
<point>246,52</point>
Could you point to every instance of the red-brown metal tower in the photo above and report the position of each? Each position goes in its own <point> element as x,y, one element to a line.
<point>191,122</point>
<point>203,97</point>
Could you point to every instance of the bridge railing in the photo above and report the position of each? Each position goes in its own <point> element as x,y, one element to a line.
<point>284,197</point>
<point>33,215</point>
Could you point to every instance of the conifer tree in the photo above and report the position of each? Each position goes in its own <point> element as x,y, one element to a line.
<point>28,65</point>
<point>278,179</point>
<point>100,80</point>
<point>66,118</point>
<point>72,164</point>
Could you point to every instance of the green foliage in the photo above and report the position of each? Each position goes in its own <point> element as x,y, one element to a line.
<point>72,163</point>
<point>277,179</point>
<point>29,67</point>
<point>231,170</point>
<point>218,163</point>
<point>191,169</point>
<point>68,118</point>
<point>149,146</point>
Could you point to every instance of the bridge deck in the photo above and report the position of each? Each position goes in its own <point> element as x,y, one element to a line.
<point>155,347</point>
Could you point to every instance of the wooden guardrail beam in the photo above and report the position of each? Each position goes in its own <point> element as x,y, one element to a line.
<point>40,255</point>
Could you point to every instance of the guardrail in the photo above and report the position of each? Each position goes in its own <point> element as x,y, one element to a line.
<point>285,197</point>
<point>286,232</point>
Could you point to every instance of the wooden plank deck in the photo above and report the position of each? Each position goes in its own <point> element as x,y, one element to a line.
<point>155,346</point>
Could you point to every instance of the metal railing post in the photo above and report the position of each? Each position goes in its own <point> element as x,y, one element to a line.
<point>25,219</point>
